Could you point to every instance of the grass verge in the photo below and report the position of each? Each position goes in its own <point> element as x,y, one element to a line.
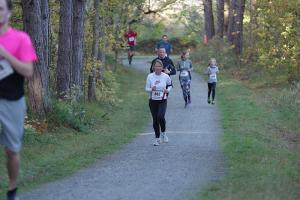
<point>260,164</point>
<point>63,151</point>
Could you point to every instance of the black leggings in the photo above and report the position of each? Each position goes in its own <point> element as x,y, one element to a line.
<point>158,110</point>
<point>212,88</point>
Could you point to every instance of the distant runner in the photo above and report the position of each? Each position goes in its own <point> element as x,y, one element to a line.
<point>212,71</point>
<point>185,67</point>
<point>131,36</point>
<point>164,43</point>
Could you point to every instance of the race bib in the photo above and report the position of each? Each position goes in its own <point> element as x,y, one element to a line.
<point>5,69</point>
<point>213,76</point>
<point>184,73</point>
<point>131,39</point>
<point>157,95</point>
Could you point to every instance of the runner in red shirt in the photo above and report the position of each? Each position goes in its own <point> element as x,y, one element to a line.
<point>130,35</point>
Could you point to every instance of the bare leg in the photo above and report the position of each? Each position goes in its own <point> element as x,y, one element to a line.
<point>13,162</point>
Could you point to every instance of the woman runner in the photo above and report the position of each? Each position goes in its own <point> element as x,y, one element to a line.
<point>158,85</point>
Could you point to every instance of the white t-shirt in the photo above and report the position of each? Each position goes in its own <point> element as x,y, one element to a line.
<point>161,82</point>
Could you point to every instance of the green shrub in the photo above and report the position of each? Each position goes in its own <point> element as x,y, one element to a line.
<point>70,113</point>
<point>107,88</point>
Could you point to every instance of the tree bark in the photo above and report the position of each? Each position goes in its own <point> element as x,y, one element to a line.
<point>45,28</point>
<point>78,45</point>
<point>238,27</point>
<point>34,18</point>
<point>208,19</point>
<point>232,12</point>
<point>220,18</point>
<point>93,75</point>
<point>102,47</point>
<point>64,62</point>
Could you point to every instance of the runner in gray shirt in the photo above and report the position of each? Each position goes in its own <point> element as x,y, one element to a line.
<point>185,67</point>
<point>212,71</point>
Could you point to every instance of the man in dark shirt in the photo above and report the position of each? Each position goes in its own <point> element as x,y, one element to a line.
<point>169,67</point>
<point>164,43</point>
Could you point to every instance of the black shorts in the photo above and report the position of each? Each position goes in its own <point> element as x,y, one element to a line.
<point>131,48</point>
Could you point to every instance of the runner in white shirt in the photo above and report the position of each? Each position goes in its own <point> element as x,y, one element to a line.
<point>158,85</point>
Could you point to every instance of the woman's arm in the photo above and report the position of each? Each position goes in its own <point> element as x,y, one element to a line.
<point>148,85</point>
<point>169,85</point>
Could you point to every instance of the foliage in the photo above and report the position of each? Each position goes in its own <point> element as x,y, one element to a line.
<point>276,35</point>
<point>192,20</point>
<point>149,30</point>
<point>70,113</point>
<point>218,49</point>
<point>107,88</point>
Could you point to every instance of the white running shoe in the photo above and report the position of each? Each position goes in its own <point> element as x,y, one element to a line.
<point>164,137</point>
<point>156,142</point>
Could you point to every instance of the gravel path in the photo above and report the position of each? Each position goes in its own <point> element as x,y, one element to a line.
<point>139,171</point>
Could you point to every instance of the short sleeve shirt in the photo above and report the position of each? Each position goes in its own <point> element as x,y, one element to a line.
<point>131,37</point>
<point>19,45</point>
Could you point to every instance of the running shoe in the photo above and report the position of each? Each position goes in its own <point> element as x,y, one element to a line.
<point>156,142</point>
<point>12,195</point>
<point>213,102</point>
<point>208,101</point>
<point>164,137</point>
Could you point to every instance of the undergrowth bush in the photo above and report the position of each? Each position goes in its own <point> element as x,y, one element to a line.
<point>70,112</point>
<point>107,88</point>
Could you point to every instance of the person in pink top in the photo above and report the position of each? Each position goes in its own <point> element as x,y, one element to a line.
<point>17,56</point>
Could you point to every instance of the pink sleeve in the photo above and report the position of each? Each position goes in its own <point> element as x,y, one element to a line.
<point>26,50</point>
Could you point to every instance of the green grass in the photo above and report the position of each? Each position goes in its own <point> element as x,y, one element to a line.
<point>259,162</point>
<point>63,151</point>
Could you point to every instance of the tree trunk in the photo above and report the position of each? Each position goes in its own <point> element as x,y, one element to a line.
<point>232,12</point>
<point>238,27</point>
<point>252,23</point>
<point>208,19</point>
<point>64,62</point>
<point>93,75</point>
<point>220,16</point>
<point>78,45</point>
<point>39,95</point>
<point>226,15</point>
<point>102,47</point>
<point>45,29</point>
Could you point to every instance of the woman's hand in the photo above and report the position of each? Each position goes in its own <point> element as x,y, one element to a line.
<point>166,91</point>
<point>154,88</point>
